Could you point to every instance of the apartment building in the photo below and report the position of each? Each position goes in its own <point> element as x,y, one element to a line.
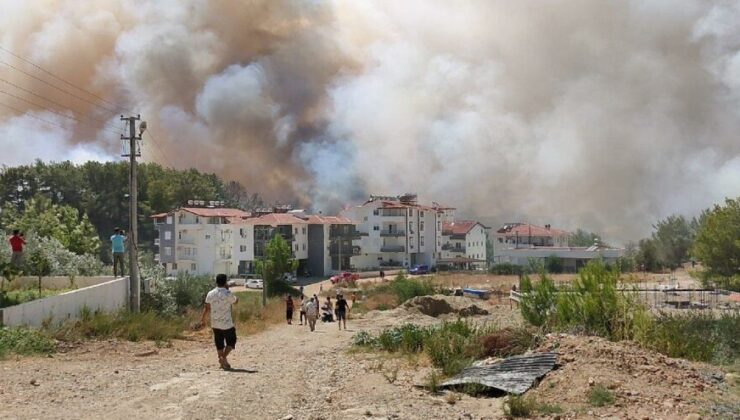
<point>525,235</point>
<point>395,232</point>
<point>230,241</point>
<point>463,244</point>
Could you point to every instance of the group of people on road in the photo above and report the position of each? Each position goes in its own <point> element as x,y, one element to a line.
<point>311,310</point>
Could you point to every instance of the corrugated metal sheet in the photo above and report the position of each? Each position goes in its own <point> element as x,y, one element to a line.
<point>514,375</point>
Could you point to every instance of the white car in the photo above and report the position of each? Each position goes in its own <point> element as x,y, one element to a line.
<point>289,278</point>
<point>254,284</point>
<point>236,282</point>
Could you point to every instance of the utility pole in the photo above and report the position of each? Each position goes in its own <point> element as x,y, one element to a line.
<point>133,153</point>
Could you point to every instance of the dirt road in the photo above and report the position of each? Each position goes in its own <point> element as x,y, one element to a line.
<point>285,371</point>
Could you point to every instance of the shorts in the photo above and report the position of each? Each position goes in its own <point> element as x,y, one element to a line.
<point>341,315</point>
<point>224,336</point>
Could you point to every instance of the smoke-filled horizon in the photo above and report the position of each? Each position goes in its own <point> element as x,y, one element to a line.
<point>606,116</point>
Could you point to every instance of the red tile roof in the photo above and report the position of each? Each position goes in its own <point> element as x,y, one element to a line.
<point>329,220</point>
<point>272,219</point>
<point>526,229</point>
<point>459,227</point>
<point>158,215</point>
<point>216,212</point>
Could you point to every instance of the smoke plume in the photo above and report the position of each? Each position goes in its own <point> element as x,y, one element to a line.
<point>602,115</point>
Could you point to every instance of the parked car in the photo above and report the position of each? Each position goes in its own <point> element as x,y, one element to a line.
<point>419,269</point>
<point>236,282</point>
<point>344,276</point>
<point>254,284</point>
<point>289,278</point>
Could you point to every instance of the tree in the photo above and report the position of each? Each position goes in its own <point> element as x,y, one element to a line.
<point>278,261</point>
<point>673,238</point>
<point>554,264</point>
<point>717,243</point>
<point>60,222</point>
<point>584,238</point>
<point>39,264</point>
<point>647,256</point>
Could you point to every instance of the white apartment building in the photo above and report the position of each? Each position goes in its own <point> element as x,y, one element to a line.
<point>395,232</point>
<point>464,244</point>
<point>230,241</point>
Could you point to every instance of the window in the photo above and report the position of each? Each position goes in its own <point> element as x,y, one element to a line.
<point>364,219</point>
<point>411,246</point>
<point>295,231</point>
<point>192,266</point>
<point>303,230</point>
<point>421,214</point>
<point>296,247</point>
<point>169,220</point>
<point>304,247</point>
<point>208,237</point>
<point>242,248</point>
<point>168,235</point>
<point>174,266</point>
<point>439,225</point>
<point>197,219</point>
<point>376,227</point>
<point>411,212</point>
<point>411,227</point>
<point>168,251</point>
<point>376,212</point>
<point>421,240</point>
<point>421,226</point>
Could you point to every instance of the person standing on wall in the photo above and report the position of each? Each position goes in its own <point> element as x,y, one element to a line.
<point>218,306</point>
<point>118,246</point>
<point>16,244</point>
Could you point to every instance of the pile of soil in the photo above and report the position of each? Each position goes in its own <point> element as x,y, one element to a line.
<point>438,305</point>
<point>645,384</point>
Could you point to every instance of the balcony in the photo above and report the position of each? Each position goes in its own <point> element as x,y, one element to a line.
<point>392,233</point>
<point>346,250</point>
<point>186,240</point>
<point>392,248</point>
<point>181,256</point>
<point>452,248</point>
<point>156,241</point>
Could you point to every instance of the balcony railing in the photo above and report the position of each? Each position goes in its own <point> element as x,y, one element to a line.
<point>392,248</point>
<point>346,250</point>
<point>395,233</point>
<point>452,248</point>
<point>186,240</point>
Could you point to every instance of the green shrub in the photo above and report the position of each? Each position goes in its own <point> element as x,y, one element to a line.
<point>16,297</point>
<point>538,302</point>
<point>176,296</point>
<point>600,396</point>
<point>506,269</point>
<point>405,288</point>
<point>554,264</point>
<point>24,341</point>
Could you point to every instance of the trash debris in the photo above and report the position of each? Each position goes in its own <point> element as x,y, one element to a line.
<point>514,375</point>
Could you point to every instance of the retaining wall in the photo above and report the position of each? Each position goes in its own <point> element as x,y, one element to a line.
<point>110,296</point>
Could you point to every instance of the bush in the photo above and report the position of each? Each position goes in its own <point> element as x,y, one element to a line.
<point>16,297</point>
<point>405,288</point>
<point>507,342</point>
<point>176,296</point>
<point>554,264</point>
<point>24,341</point>
<point>506,269</point>
<point>519,406</point>
<point>600,396</point>
<point>538,302</point>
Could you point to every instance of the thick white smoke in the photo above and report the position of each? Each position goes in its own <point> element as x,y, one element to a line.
<point>576,113</point>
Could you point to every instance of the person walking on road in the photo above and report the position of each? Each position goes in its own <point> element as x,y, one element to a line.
<point>118,246</point>
<point>218,306</point>
<point>16,245</point>
<point>382,275</point>
<point>342,309</point>
<point>312,312</point>
<point>304,302</point>
<point>289,309</point>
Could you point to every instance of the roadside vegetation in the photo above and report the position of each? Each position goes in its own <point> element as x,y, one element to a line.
<point>16,297</point>
<point>592,305</point>
<point>384,296</point>
<point>450,346</point>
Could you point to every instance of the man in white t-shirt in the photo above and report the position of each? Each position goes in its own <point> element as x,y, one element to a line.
<point>218,305</point>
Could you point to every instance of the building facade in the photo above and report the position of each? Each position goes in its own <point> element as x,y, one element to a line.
<point>464,244</point>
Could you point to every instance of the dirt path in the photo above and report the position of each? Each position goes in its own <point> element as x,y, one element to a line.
<point>285,371</point>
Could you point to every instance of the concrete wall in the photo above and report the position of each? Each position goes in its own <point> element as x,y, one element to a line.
<point>110,296</point>
<point>56,282</point>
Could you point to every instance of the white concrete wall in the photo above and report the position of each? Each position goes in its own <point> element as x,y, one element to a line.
<point>56,282</point>
<point>110,296</point>
<point>476,243</point>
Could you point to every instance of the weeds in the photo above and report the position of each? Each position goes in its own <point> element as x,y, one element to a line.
<point>405,288</point>
<point>521,406</point>
<point>16,297</point>
<point>433,381</point>
<point>24,341</point>
<point>600,396</point>
<point>126,325</point>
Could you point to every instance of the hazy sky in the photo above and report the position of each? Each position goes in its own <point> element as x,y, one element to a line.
<point>602,115</point>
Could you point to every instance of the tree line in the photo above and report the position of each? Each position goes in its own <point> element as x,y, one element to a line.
<point>80,205</point>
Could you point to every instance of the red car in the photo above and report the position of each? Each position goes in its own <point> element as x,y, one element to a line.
<point>345,276</point>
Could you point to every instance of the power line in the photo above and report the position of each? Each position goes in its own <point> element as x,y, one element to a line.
<point>161,152</point>
<point>56,112</point>
<point>32,116</point>
<point>106,123</point>
<point>113,111</point>
<point>119,107</point>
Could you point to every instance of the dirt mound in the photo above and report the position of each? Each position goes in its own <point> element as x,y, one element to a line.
<point>645,384</point>
<point>437,305</point>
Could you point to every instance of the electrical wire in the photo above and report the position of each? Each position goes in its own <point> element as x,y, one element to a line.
<point>33,116</point>
<point>56,112</point>
<point>106,123</point>
<point>118,107</point>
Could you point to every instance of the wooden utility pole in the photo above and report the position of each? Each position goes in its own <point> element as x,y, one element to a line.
<point>133,153</point>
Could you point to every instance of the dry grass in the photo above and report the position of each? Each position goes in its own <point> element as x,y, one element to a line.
<point>252,318</point>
